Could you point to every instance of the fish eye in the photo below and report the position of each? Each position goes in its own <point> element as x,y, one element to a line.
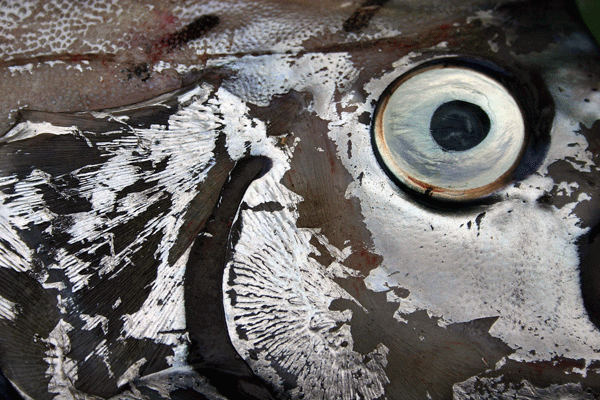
<point>451,130</point>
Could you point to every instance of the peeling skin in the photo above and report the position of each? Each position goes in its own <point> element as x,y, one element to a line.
<point>62,369</point>
<point>336,283</point>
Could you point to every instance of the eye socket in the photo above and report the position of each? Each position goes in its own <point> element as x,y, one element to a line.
<point>450,130</point>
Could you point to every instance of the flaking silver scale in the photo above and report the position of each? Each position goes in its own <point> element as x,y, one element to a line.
<point>281,189</point>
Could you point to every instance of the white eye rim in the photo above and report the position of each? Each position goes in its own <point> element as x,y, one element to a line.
<point>409,87</point>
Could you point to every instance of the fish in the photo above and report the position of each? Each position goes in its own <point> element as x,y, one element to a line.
<point>299,200</point>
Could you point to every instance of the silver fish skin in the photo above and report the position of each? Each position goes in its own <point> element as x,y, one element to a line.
<point>193,202</point>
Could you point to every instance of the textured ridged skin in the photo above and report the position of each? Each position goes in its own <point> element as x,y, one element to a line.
<point>191,205</point>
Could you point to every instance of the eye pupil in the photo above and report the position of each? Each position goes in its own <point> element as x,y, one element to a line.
<point>458,125</point>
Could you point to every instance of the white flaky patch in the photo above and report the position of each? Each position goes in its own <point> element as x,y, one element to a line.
<point>278,299</point>
<point>132,373</point>
<point>62,370</point>
<point>261,78</point>
<point>96,320</point>
<point>8,309</point>
<point>26,207</point>
<point>281,303</point>
<point>27,129</point>
<point>494,389</point>
<point>186,148</point>
<point>241,131</point>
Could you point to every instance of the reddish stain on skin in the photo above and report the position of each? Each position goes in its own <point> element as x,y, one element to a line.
<point>445,32</point>
<point>76,58</point>
<point>369,259</point>
<point>67,58</point>
<point>557,364</point>
<point>166,20</point>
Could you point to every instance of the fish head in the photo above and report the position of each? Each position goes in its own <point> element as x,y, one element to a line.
<point>286,219</point>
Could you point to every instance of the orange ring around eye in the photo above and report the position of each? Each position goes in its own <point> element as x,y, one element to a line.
<point>409,153</point>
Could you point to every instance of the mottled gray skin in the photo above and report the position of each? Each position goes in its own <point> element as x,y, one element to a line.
<point>237,237</point>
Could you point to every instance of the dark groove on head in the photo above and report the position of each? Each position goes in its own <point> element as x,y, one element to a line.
<point>211,352</point>
<point>191,31</point>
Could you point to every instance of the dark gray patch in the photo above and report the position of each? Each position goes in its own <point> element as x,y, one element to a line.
<point>7,391</point>
<point>589,253</point>
<point>140,71</point>
<point>233,297</point>
<point>401,292</point>
<point>361,17</point>
<point>281,112</point>
<point>538,24</point>
<point>56,155</point>
<point>365,118</point>
<point>478,219</point>
<point>349,148</point>
<point>62,196</point>
<point>546,199</point>
<point>267,206</point>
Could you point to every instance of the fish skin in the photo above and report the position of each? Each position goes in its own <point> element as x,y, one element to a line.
<point>98,45</point>
<point>366,271</point>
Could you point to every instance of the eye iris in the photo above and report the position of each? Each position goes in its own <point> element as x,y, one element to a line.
<point>458,125</point>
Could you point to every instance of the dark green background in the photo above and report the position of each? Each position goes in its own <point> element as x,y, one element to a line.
<point>590,10</point>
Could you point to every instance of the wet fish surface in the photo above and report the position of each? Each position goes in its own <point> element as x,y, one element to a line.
<point>299,200</point>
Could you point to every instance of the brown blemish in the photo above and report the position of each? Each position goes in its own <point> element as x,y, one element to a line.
<point>365,118</point>
<point>281,112</point>
<point>321,179</point>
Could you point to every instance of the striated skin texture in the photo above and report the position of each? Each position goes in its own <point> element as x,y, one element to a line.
<point>191,206</point>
